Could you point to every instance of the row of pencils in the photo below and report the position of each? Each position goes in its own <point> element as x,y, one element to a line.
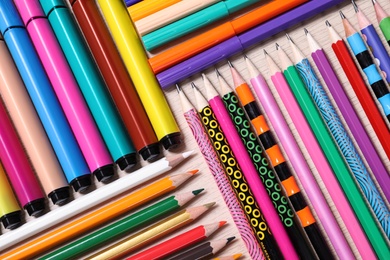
<point>249,165</point>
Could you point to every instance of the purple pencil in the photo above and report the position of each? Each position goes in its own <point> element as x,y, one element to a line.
<point>350,115</point>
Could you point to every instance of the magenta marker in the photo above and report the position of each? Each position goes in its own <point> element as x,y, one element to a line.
<point>20,173</point>
<point>68,92</point>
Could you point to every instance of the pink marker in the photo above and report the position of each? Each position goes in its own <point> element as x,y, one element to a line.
<point>20,173</point>
<point>67,90</point>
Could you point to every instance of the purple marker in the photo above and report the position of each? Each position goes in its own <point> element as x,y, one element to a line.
<point>239,43</point>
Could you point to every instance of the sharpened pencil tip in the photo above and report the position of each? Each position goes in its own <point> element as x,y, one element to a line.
<point>230,64</point>
<point>328,23</point>
<point>288,37</point>
<point>221,223</point>
<point>193,172</point>
<point>203,76</point>
<point>265,52</point>
<point>217,72</point>
<point>178,88</point>
<point>277,46</point>
<point>341,14</point>
<point>209,205</point>
<point>355,6</point>
<point>306,31</point>
<point>236,256</point>
<point>193,85</point>
<point>187,154</point>
<point>230,239</point>
<point>196,192</point>
<point>373,2</point>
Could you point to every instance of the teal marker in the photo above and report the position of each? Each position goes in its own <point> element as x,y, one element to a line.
<point>91,83</point>
<point>193,22</point>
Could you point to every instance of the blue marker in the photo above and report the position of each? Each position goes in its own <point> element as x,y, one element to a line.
<point>45,101</point>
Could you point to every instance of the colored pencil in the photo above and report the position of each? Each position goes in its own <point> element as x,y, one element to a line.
<point>10,212</point>
<point>324,169</point>
<point>117,78</point>
<point>343,140</point>
<point>91,83</point>
<point>132,2</point>
<point>204,250</point>
<point>221,143</point>
<point>133,54</point>
<point>359,86</point>
<point>123,226</point>
<point>255,150</point>
<point>383,20</point>
<point>148,7</point>
<point>179,242</point>
<point>152,233</point>
<point>217,170</point>
<point>64,85</point>
<point>333,154</point>
<point>352,119</point>
<point>214,36</point>
<point>229,257</point>
<point>303,172</point>
<point>46,104</point>
<point>373,42</point>
<point>26,121</point>
<point>92,199</point>
<point>366,63</point>
<point>20,173</point>
<point>239,43</point>
<point>170,14</point>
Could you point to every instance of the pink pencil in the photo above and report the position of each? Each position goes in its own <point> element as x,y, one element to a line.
<point>320,161</point>
<point>299,163</point>
<point>249,171</point>
<point>67,90</point>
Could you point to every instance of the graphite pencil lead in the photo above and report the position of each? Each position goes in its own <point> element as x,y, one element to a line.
<point>288,37</point>
<point>328,23</point>
<point>306,31</point>
<point>277,46</point>
<point>265,52</point>
<point>178,88</point>
<point>230,239</point>
<point>245,57</point>
<point>355,6</point>
<point>342,15</point>
<point>230,64</point>
<point>217,72</point>
<point>373,2</point>
<point>193,85</point>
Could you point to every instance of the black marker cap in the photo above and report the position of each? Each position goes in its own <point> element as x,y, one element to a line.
<point>81,183</point>
<point>35,207</point>
<point>104,173</point>
<point>171,141</point>
<point>127,161</point>
<point>12,220</point>
<point>150,152</point>
<point>60,196</point>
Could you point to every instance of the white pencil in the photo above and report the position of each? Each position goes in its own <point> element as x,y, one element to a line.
<point>91,199</point>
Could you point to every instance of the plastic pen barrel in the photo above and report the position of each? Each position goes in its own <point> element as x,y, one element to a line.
<point>117,78</point>
<point>91,83</point>
<point>19,170</point>
<point>45,102</point>
<point>133,54</point>
<point>10,213</point>
<point>68,93</point>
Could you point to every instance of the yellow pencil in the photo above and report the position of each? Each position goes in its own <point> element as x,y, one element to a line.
<point>151,233</point>
<point>145,8</point>
<point>134,56</point>
<point>229,257</point>
<point>97,217</point>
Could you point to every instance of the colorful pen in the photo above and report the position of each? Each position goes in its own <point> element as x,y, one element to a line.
<point>374,43</point>
<point>193,22</point>
<point>20,173</point>
<point>363,57</point>
<point>145,8</point>
<point>91,83</point>
<point>133,54</point>
<point>239,43</point>
<point>116,77</point>
<point>383,20</point>
<point>68,93</point>
<point>45,102</point>
<point>10,213</point>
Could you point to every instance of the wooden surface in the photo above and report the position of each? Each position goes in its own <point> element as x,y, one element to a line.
<point>316,26</point>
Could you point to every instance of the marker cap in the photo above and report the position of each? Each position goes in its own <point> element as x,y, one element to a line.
<point>12,220</point>
<point>104,173</point>
<point>29,9</point>
<point>59,196</point>
<point>35,207</point>
<point>171,141</point>
<point>127,161</point>
<point>48,5</point>
<point>9,16</point>
<point>150,152</point>
<point>81,183</point>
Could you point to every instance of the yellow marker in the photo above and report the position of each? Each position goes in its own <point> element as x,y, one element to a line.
<point>133,54</point>
<point>10,212</point>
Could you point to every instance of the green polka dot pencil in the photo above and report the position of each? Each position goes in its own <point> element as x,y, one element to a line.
<point>236,178</point>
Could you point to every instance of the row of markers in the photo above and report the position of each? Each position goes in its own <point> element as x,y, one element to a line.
<point>232,132</point>
<point>68,112</point>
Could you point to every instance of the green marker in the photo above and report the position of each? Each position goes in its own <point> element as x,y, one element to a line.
<point>193,22</point>
<point>91,83</point>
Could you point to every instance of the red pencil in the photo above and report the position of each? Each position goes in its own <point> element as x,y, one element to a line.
<point>357,82</point>
<point>179,242</point>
